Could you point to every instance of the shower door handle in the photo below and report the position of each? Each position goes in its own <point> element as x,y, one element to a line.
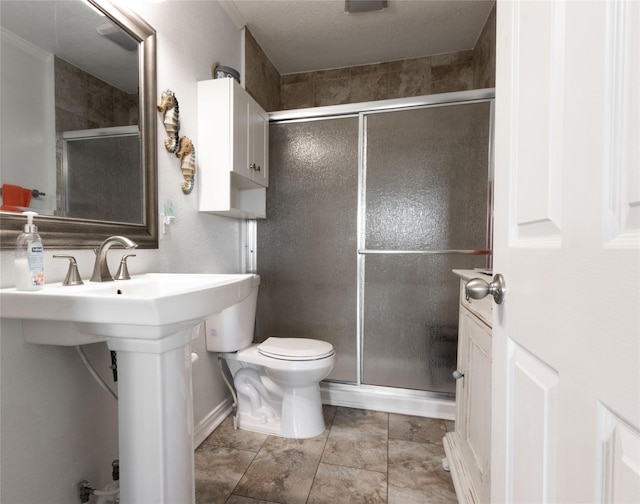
<point>477,288</point>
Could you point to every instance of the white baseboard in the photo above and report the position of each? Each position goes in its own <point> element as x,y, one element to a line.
<point>390,400</point>
<point>463,481</point>
<point>209,423</point>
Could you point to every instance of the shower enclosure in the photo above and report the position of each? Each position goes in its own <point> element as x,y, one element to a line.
<point>368,212</point>
<point>101,176</point>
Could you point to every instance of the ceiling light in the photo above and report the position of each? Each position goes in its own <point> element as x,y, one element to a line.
<point>117,36</point>
<point>353,6</point>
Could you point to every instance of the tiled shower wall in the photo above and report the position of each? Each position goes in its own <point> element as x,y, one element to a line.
<point>442,73</point>
<point>262,80</point>
<point>85,102</point>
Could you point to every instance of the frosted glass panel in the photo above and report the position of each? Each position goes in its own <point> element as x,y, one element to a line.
<point>307,244</point>
<point>426,190</point>
<point>411,320</point>
<point>103,179</point>
<point>427,173</point>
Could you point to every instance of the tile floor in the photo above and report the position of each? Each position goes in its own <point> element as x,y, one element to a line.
<point>362,457</point>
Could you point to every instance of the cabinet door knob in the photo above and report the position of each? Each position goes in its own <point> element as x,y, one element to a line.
<point>252,166</point>
<point>477,288</point>
<point>258,168</point>
<point>457,374</point>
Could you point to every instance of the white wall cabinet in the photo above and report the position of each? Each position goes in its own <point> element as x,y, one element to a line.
<point>258,143</point>
<point>468,448</point>
<point>232,151</point>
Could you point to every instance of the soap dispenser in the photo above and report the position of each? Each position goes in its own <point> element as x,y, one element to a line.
<point>29,261</point>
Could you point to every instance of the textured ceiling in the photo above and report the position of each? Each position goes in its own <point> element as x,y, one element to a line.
<point>306,35</point>
<point>296,35</point>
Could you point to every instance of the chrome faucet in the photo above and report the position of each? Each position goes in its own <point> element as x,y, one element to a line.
<point>101,268</point>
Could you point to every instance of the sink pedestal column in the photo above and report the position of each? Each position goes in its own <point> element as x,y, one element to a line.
<point>155,415</point>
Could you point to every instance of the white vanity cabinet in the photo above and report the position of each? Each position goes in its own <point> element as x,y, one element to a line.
<point>232,151</point>
<point>468,448</point>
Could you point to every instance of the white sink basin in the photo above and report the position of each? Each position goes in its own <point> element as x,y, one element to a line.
<point>148,306</point>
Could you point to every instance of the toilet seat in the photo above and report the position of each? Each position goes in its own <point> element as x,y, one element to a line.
<point>295,349</point>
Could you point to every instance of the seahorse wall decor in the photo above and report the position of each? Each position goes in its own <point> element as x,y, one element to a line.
<point>171,118</point>
<point>187,155</point>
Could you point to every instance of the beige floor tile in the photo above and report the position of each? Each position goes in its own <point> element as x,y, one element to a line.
<point>367,457</point>
<point>358,439</point>
<point>450,425</point>
<point>416,474</point>
<point>226,435</point>
<point>329,413</point>
<point>357,452</point>
<point>217,471</point>
<point>346,485</point>
<point>416,429</point>
<point>283,470</point>
<point>238,499</point>
<point>372,423</point>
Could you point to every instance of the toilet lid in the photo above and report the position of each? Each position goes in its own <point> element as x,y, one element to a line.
<point>295,348</point>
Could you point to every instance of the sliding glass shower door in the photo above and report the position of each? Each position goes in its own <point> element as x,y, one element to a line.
<point>306,247</point>
<point>424,200</point>
<point>367,216</point>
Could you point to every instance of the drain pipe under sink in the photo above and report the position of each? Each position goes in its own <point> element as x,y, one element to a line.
<point>94,373</point>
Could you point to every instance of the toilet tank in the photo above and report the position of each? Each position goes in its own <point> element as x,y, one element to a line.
<point>232,329</point>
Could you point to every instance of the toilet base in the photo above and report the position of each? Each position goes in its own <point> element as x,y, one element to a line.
<point>274,427</point>
<point>301,418</point>
<point>302,413</point>
<point>250,423</point>
<point>267,401</point>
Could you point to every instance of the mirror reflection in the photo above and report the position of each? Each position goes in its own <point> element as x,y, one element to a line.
<point>70,136</point>
<point>78,130</point>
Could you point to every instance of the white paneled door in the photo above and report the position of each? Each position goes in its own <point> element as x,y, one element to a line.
<point>566,340</point>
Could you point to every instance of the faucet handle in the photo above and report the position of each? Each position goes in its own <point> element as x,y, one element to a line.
<point>123,271</point>
<point>73,276</point>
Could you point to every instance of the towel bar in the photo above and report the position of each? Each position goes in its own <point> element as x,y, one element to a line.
<point>34,193</point>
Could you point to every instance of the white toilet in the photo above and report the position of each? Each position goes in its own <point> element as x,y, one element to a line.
<point>277,382</point>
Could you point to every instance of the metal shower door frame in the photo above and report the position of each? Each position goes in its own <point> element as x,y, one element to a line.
<point>362,205</point>
<point>250,259</point>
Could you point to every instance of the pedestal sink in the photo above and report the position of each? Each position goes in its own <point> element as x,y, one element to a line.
<point>149,320</point>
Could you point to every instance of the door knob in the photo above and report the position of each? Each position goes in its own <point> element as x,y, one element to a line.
<point>457,374</point>
<point>477,288</point>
